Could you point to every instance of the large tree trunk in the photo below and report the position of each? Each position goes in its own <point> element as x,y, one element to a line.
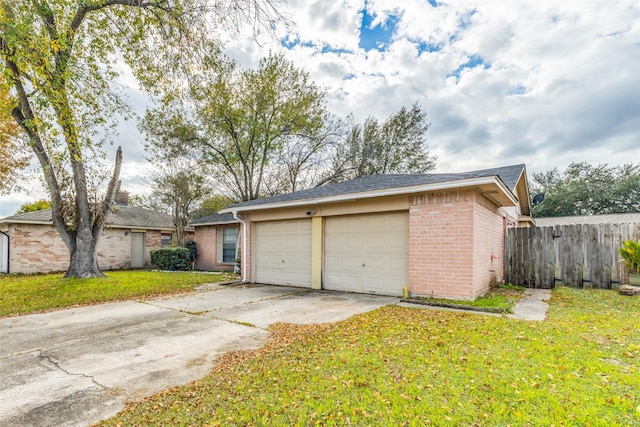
<point>84,241</point>
<point>84,258</point>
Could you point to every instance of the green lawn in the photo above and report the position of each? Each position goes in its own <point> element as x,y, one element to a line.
<point>20,294</point>
<point>409,366</point>
<point>501,299</point>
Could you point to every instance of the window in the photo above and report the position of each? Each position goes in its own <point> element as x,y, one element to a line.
<point>229,242</point>
<point>165,239</point>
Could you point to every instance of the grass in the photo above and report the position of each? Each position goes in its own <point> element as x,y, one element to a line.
<point>20,294</point>
<point>501,299</point>
<point>415,367</point>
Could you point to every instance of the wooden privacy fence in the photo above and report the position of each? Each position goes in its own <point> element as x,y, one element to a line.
<point>579,255</point>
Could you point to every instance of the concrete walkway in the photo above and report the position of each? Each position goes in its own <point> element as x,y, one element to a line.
<point>533,306</point>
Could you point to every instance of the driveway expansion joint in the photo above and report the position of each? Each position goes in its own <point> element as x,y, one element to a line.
<point>72,374</point>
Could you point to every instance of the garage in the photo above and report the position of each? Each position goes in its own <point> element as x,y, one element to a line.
<point>367,253</point>
<point>283,252</point>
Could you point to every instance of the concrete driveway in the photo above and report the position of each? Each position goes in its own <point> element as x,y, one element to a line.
<point>76,366</point>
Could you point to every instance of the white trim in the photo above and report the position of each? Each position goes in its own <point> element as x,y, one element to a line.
<point>7,221</point>
<point>473,182</point>
<point>200,224</point>
<point>4,253</point>
<point>244,246</point>
<point>132,228</point>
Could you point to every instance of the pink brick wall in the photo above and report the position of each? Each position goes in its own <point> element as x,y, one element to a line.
<point>39,249</point>
<point>488,247</point>
<point>207,245</point>
<point>453,239</point>
<point>205,237</point>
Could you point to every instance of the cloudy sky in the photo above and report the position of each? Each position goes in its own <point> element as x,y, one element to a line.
<point>544,83</point>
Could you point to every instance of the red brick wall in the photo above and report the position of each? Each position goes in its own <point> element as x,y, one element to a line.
<point>455,239</point>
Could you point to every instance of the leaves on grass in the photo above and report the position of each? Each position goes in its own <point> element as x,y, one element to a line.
<point>405,366</point>
<point>20,294</point>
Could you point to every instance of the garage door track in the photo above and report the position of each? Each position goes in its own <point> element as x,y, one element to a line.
<point>76,366</point>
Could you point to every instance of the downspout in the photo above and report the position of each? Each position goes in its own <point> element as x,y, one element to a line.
<point>8,249</point>
<point>244,245</point>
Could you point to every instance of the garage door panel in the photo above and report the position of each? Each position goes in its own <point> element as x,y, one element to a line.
<point>379,241</point>
<point>283,252</point>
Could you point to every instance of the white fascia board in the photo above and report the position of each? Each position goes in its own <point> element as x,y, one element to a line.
<point>200,224</point>
<point>26,222</point>
<point>472,182</point>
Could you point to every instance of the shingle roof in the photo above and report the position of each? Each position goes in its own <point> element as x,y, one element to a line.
<point>124,216</point>
<point>214,219</point>
<point>508,174</point>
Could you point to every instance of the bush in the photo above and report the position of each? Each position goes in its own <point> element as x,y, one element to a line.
<point>171,258</point>
<point>193,252</point>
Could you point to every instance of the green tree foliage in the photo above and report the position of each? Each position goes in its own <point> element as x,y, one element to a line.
<point>13,150</point>
<point>584,189</point>
<point>397,145</point>
<point>180,186</point>
<point>243,120</point>
<point>211,205</point>
<point>58,61</point>
<point>35,206</point>
<point>178,179</point>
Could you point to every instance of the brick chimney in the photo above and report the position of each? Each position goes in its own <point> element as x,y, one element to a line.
<point>122,198</point>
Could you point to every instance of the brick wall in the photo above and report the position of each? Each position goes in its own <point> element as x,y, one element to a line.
<point>36,249</point>
<point>455,239</point>
<point>488,244</point>
<point>39,249</point>
<point>114,250</point>
<point>206,238</point>
<point>441,244</point>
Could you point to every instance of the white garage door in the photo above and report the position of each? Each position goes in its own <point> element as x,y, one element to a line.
<point>283,252</point>
<point>367,253</point>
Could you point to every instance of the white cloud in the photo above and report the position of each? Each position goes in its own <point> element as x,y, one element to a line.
<point>559,81</point>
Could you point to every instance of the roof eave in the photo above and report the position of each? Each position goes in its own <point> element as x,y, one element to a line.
<point>10,221</point>
<point>199,224</point>
<point>395,191</point>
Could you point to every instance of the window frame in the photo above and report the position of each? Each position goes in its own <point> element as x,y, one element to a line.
<point>226,246</point>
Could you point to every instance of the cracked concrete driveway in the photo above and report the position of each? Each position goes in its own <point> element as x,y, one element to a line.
<point>76,366</point>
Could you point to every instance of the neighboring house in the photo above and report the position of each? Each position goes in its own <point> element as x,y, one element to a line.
<point>436,234</point>
<point>217,241</point>
<point>30,244</point>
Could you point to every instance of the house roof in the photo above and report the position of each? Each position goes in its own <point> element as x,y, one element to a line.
<point>506,178</point>
<point>214,219</point>
<point>123,217</point>
<point>623,218</point>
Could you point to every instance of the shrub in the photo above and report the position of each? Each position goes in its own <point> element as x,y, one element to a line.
<point>171,258</point>
<point>630,251</point>
<point>193,252</point>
